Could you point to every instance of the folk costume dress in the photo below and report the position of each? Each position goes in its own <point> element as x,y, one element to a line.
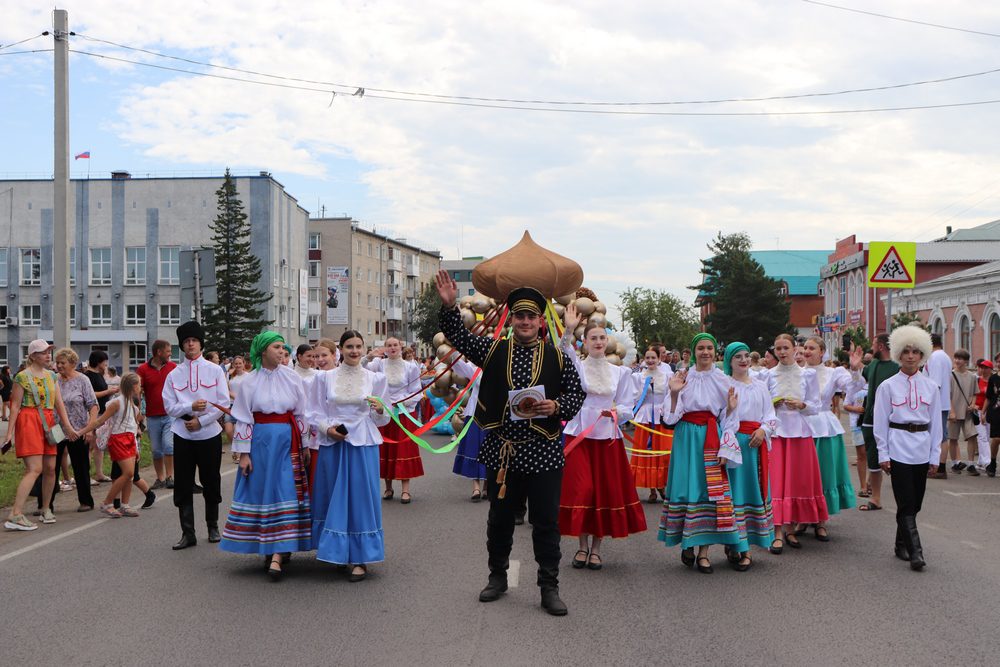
<point>698,509</point>
<point>598,489</point>
<point>399,456</point>
<point>828,433</point>
<point>347,506</point>
<point>796,484</point>
<point>270,512</point>
<point>749,481</point>
<point>649,388</point>
<point>467,455</point>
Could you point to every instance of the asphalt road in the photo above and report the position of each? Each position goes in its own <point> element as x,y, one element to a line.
<point>91,591</point>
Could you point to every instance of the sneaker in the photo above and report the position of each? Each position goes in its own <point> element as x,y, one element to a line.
<point>65,486</point>
<point>958,466</point>
<point>150,499</point>
<point>48,516</point>
<point>169,483</point>
<point>110,511</point>
<point>971,470</point>
<point>128,511</point>
<point>19,522</point>
<point>158,484</point>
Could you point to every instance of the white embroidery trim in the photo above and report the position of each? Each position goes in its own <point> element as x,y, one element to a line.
<point>349,384</point>
<point>598,375</point>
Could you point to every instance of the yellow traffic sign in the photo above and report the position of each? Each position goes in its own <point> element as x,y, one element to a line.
<point>892,264</point>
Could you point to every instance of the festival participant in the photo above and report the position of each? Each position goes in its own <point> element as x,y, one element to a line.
<point>598,491</point>
<point>523,457</point>
<point>649,390</point>
<point>907,428</point>
<point>796,484</point>
<point>153,374</point>
<point>992,411</point>
<point>399,457</point>
<point>960,415</point>
<point>305,365</point>
<point>698,510</point>
<point>828,433</point>
<point>193,395</point>
<point>754,422</point>
<point>467,454</point>
<point>878,370</point>
<point>81,408</point>
<point>325,355</point>
<point>97,366</point>
<point>270,514</point>
<point>938,368</point>
<point>236,375</point>
<point>346,407</point>
<point>34,398</point>
<point>855,406</point>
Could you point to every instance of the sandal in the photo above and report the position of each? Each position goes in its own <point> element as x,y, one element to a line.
<point>777,546</point>
<point>591,565</point>
<point>652,496</point>
<point>822,537</point>
<point>705,569</point>
<point>389,493</point>
<point>869,507</point>
<point>358,576</point>
<point>477,497</point>
<point>739,565</point>
<point>687,557</point>
<point>274,568</point>
<point>793,541</point>
<point>110,511</point>
<point>580,564</point>
<point>732,555</point>
<point>864,494</point>
<point>405,498</point>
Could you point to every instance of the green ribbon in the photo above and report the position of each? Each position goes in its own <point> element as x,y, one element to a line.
<point>420,441</point>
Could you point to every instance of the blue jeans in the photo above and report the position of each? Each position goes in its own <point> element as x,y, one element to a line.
<point>161,438</point>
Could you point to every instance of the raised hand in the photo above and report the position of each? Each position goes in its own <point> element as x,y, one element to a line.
<point>447,288</point>
<point>857,355</point>
<point>732,400</point>
<point>677,381</point>
<point>571,318</point>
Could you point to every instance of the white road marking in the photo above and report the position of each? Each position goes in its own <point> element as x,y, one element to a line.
<point>979,493</point>
<point>973,545</point>
<point>88,526</point>
<point>513,574</point>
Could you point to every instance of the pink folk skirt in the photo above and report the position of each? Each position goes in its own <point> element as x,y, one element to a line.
<point>796,484</point>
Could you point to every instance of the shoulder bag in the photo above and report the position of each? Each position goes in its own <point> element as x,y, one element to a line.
<point>53,434</point>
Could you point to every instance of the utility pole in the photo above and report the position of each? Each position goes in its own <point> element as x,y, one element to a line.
<point>60,175</point>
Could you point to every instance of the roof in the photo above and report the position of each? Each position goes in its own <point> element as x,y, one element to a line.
<point>798,268</point>
<point>959,251</point>
<point>989,231</point>
<point>981,271</point>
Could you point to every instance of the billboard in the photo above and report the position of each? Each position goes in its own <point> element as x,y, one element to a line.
<point>338,294</point>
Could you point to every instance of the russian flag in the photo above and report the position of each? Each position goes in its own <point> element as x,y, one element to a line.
<point>85,155</point>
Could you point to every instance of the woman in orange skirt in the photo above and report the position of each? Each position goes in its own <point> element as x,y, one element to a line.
<point>598,497</point>
<point>650,386</point>
<point>35,394</point>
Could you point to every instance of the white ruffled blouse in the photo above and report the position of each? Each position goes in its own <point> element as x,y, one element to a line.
<point>608,387</point>
<point>339,396</point>
<point>706,391</point>
<point>403,379</point>
<point>651,410</point>
<point>270,391</point>
<point>792,381</point>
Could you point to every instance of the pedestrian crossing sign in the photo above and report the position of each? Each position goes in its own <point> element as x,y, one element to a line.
<point>892,264</point>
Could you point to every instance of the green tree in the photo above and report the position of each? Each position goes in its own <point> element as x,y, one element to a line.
<point>902,319</point>
<point>746,304</point>
<point>656,316</point>
<point>425,315</point>
<point>232,323</point>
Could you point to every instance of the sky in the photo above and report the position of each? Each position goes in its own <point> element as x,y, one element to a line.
<point>633,198</point>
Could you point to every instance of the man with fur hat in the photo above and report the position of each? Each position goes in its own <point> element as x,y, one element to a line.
<point>907,429</point>
<point>523,457</point>
<point>192,394</point>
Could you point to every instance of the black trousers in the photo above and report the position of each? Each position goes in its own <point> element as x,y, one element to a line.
<point>908,485</point>
<point>542,491</point>
<point>206,456</point>
<point>79,458</point>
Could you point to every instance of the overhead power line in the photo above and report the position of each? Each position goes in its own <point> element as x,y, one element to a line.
<point>350,88</point>
<point>904,20</point>
<point>28,39</point>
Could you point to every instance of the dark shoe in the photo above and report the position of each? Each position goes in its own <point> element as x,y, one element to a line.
<point>494,589</point>
<point>777,546</point>
<point>991,470</point>
<point>958,467</point>
<point>355,578</point>
<point>405,498</point>
<point>687,557</point>
<point>274,569</point>
<point>518,519</point>
<point>212,522</point>
<point>901,552</point>
<point>705,569</point>
<point>388,494</point>
<point>732,555</point>
<point>158,484</point>
<point>739,565</point>
<point>591,565</point>
<point>213,534</point>
<point>150,499</point>
<point>580,564</point>
<point>169,483</point>
<point>972,472</point>
<point>552,603</point>
<point>85,508</point>
<point>477,497</point>
<point>652,496</point>
<point>793,541</point>
<point>188,538</point>
<point>913,541</point>
<point>822,537</point>
<point>197,489</point>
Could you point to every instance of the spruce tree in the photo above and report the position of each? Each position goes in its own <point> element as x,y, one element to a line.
<point>238,316</point>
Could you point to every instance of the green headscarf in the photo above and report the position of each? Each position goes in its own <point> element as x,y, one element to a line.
<point>260,343</point>
<point>694,343</point>
<point>731,350</point>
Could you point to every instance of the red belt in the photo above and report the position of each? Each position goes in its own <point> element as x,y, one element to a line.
<point>301,479</point>
<point>715,473</point>
<point>747,428</point>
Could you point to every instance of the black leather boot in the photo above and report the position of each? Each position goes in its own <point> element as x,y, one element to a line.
<point>916,551</point>
<point>552,603</point>
<point>188,538</point>
<point>902,552</point>
<point>212,521</point>
<point>495,587</point>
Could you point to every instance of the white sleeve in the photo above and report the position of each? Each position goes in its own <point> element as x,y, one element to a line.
<point>880,421</point>
<point>243,433</point>
<point>811,394</point>
<point>380,389</point>
<point>937,433</point>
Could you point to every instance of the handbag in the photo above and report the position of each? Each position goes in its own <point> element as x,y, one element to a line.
<point>53,434</point>
<point>974,413</point>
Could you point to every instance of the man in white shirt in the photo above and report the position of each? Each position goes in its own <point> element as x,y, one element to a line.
<point>193,394</point>
<point>938,368</point>
<point>907,427</point>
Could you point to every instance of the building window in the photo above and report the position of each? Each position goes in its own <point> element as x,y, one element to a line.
<point>358,242</point>
<point>3,315</point>
<point>964,333</point>
<point>938,326</point>
<point>842,302</point>
<point>859,285</point>
<point>314,322</point>
<point>135,315</point>
<point>314,241</point>
<point>31,315</point>
<point>135,266</point>
<point>100,315</point>
<point>72,314</point>
<point>314,269</point>
<point>170,313</point>
<point>369,326</point>
<point>283,315</point>
<point>369,254</point>
<point>100,266</point>
<point>3,355</point>
<point>170,266</point>
<point>850,292</point>
<point>275,275</point>
<point>994,336</point>
<point>284,275</point>
<point>72,267</point>
<point>3,269</point>
<point>31,266</point>
<point>175,354</point>
<point>314,295</point>
<point>136,354</point>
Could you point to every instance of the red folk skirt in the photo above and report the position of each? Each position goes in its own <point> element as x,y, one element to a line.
<point>399,457</point>
<point>598,492</point>
<point>796,484</point>
<point>651,471</point>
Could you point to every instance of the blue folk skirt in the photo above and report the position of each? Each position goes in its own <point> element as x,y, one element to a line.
<point>266,516</point>
<point>467,455</point>
<point>347,520</point>
<point>751,504</point>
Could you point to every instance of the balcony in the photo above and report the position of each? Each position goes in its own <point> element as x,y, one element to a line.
<point>394,290</point>
<point>413,268</point>
<point>394,265</point>
<point>394,313</point>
